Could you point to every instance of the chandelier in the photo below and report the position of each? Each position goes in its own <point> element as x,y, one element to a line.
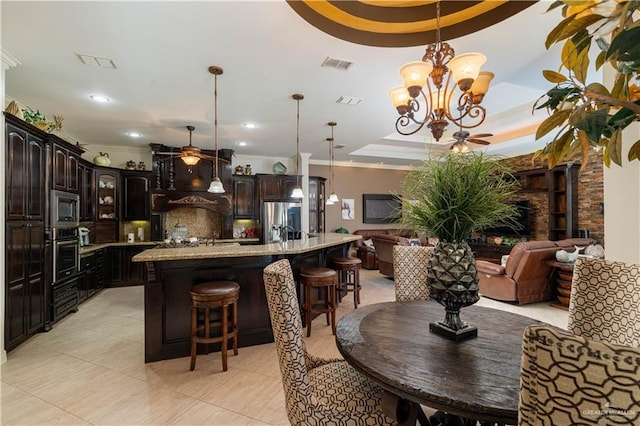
<point>424,80</point>
<point>216,184</point>
<point>297,191</point>
<point>333,198</point>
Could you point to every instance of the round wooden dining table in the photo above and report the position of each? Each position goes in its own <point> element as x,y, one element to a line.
<point>478,378</point>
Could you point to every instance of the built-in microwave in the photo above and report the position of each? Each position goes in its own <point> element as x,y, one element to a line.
<point>65,209</point>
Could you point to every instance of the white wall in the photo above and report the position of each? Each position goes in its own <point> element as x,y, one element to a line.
<point>622,205</point>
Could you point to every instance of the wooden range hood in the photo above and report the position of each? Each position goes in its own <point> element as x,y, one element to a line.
<point>163,201</point>
<point>179,185</point>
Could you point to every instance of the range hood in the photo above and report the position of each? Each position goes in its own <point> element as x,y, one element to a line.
<point>163,201</point>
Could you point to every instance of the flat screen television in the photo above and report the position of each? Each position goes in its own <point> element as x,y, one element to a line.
<point>380,208</point>
<point>523,218</point>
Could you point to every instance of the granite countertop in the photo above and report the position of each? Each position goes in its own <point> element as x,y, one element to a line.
<point>234,250</point>
<point>94,247</point>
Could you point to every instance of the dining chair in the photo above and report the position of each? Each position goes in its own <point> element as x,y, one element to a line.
<point>410,272</point>
<point>605,301</point>
<point>572,380</point>
<point>317,391</point>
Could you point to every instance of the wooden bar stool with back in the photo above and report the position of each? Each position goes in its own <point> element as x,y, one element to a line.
<point>214,295</point>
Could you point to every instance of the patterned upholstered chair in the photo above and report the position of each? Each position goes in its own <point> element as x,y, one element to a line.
<point>605,301</point>
<point>571,380</point>
<point>317,391</point>
<point>410,272</point>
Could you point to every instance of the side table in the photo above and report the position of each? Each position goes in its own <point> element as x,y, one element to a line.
<point>562,275</point>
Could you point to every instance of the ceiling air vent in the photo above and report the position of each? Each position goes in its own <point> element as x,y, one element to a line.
<point>339,64</point>
<point>96,61</point>
<point>348,100</point>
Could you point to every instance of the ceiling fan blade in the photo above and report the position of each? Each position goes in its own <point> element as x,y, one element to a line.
<point>173,154</point>
<point>478,141</point>
<point>480,135</point>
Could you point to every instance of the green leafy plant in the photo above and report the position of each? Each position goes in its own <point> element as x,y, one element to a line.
<point>31,116</point>
<point>452,195</point>
<point>588,115</point>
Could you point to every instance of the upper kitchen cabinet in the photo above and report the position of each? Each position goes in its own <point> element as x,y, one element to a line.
<point>25,172</point>
<point>107,204</point>
<point>87,194</point>
<point>171,173</point>
<point>275,187</point>
<point>244,197</point>
<point>65,161</point>
<point>316,204</point>
<point>135,195</point>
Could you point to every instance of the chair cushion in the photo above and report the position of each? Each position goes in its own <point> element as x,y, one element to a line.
<point>605,299</point>
<point>338,386</point>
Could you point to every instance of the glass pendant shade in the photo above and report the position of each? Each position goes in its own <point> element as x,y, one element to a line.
<point>465,68</point>
<point>297,192</point>
<point>460,148</point>
<point>329,202</point>
<point>399,97</point>
<point>190,160</point>
<point>216,186</point>
<point>333,198</point>
<point>414,76</point>
<point>480,85</point>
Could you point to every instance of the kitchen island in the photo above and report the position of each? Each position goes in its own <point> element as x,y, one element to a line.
<point>172,272</point>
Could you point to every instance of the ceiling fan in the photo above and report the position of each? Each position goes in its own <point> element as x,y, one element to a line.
<point>461,138</point>
<point>189,154</point>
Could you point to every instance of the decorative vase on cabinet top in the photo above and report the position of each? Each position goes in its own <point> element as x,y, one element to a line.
<point>102,159</point>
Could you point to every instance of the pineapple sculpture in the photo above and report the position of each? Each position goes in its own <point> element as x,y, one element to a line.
<point>449,197</point>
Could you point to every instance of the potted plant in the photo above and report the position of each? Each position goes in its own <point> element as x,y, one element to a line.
<point>450,196</point>
<point>583,114</point>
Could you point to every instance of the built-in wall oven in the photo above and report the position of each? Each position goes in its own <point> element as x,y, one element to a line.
<point>65,248</point>
<point>66,252</point>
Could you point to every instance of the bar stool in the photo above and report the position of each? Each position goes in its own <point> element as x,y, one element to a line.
<point>214,295</point>
<point>348,269</point>
<point>326,280</point>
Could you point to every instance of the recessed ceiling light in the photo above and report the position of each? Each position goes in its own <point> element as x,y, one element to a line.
<point>134,134</point>
<point>249,125</point>
<point>241,143</point>
<point>99,98</point>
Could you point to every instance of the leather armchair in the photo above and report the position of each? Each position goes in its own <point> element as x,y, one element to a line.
<point>384,249</point>
<point>524,278</point>
<point>367,254</point>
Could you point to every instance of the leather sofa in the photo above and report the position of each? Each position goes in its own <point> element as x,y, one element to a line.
<point>525,278</point>
<point>368,253</point>
<point>384,249</point>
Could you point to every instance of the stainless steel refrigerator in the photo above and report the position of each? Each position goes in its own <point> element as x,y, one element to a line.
<point>281,221</point>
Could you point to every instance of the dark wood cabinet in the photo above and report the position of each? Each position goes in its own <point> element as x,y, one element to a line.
<point>563,202</point>
<point>561,186</point>
<point>122,270</point>
<point>25,174</point>
<point>87,194</point>
<point>275,187</point>
<point>65,169</point>
<point>316,204</point>
<point>25,281</point>
<point>244,197</point>
<point>91,274</point>
<point>107,187</point>
<point>135,195</point>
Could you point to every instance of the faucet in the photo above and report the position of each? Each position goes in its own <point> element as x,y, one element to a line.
<point>284,234</point>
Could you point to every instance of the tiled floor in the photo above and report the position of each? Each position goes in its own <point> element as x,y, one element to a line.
<point>89,369</point>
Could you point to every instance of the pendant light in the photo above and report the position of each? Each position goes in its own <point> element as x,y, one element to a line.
<point>333,198</point>
<point>297,191</point>
<point>216,186</point>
